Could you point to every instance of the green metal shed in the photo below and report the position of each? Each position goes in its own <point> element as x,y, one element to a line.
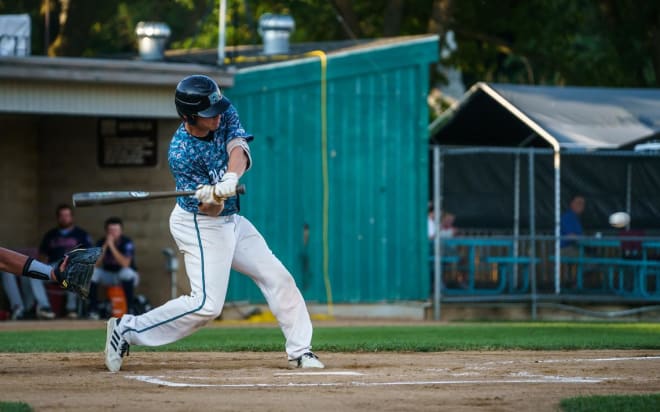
<point>339,182</point>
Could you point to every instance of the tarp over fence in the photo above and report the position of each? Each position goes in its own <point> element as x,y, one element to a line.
<point>479,185</point>
<point>594,130</point>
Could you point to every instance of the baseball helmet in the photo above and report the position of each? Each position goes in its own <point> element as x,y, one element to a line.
<point>199,95</point>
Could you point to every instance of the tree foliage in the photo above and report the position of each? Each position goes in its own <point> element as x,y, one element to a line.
<point>572,42</point>
<point>577,42</point>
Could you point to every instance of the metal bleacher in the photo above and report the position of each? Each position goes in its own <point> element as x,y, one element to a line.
<point>492,266</point>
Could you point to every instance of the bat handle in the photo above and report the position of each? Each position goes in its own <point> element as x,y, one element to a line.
<point>240,190</point>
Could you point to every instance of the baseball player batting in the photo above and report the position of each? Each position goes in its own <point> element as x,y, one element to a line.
<point>209,153</point>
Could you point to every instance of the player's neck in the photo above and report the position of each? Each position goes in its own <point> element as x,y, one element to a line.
<point>198,132</point>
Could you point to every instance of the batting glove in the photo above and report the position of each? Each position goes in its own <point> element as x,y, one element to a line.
<point>204,194</point>
<point>227,185</point>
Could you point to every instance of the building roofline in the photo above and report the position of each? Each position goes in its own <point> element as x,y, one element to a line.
<point>177,63</point>
<point>107,71</point>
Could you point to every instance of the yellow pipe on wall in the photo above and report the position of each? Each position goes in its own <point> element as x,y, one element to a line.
<point>325,176</point>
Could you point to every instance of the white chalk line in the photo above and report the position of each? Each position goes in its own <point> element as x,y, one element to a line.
<point>162,381</point>
<point>529,378</point>
<point>568,360</point>
<point>632,358</point>
<point>559,378</point>
<point>327,373</point>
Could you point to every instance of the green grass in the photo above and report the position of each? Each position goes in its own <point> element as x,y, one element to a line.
<point>612,403</point>
<point>15,407</point>
<point>425,338</point>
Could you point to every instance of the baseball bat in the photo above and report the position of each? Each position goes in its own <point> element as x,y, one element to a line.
<point>108,198</point>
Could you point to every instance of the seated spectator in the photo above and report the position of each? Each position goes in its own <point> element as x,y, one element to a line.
<point>631,248</point>
<point>452,277</point>
<point>570,232</point>
<point>447,228</point>
<point>116,265</point>
<point>571,227</point>
<point>430,222</point>
<point>29,300</point>
<point>60,240</point>
<point>631,243</point>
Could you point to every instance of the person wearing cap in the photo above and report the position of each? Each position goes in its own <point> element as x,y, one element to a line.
<point>208,153</point>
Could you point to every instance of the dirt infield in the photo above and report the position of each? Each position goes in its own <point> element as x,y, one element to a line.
<point>456,381</point>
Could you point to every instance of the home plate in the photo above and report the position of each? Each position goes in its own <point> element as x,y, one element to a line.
<point>327,373</point>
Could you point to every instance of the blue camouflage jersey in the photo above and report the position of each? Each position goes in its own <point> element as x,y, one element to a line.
<point>194,161</point>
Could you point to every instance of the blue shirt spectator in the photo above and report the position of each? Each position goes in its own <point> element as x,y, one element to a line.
<point>57,241</point>
<point>570,225</point>
<point>125,246</point>
<point>117,265</point>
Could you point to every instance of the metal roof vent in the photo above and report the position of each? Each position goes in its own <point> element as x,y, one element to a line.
<point>15,35</point>
<point>152,37</point>
<point>275,30</point>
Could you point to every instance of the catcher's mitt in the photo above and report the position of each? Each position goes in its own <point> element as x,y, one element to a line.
<point>76,275</point>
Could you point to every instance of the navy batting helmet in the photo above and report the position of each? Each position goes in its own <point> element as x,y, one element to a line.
<point>199,95</point>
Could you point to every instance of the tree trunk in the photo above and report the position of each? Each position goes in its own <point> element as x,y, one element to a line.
<point>348,16</point>
<point>620,15</point>
<point>655,54</point>
<point>392,18</point>
<point>440,16</point>
<point>76,20</point>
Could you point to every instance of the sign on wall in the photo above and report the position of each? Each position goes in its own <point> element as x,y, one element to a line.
<point>127,142</point>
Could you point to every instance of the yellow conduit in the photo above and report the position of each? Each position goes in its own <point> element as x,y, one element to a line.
<point>324,172</point>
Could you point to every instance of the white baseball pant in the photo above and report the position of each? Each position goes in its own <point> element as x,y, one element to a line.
<point>211,246</point>
<point>108,277</point>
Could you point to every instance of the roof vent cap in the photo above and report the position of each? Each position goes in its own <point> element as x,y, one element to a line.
<point>15,34</point>
<point>275,29</point>
<point>152,37</point>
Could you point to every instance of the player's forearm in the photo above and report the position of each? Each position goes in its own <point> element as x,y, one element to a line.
<point>11,261</point>
<point>211,209</point>
<point>123,261</point>
<point>238,161</point>
<point>19,264</point>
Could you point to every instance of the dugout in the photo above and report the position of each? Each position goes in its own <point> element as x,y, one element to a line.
<point>508,158</point>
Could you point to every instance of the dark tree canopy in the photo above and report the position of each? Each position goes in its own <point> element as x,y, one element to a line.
<point>572,42</point>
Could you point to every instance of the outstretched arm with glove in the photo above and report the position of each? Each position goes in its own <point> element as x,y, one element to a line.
<point>73,272</point>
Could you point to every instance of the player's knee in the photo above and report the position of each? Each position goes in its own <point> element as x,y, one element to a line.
<point>96,275</point>
<point>129,274</point>
<point>210,309</point>
<point>285,281</point>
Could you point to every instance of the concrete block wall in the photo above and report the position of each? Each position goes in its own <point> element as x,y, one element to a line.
<point>45,159</point>
<point>19,194</point>
<point>69,147</point>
